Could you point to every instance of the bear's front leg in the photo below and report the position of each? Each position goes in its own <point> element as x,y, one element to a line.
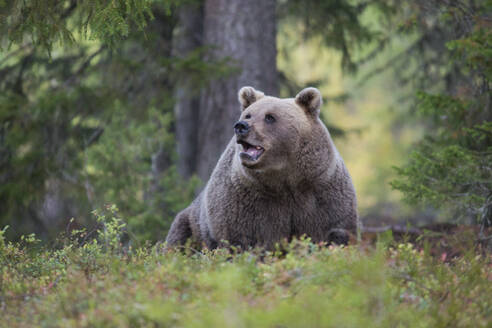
<point>338,237</point>
<point>180,230</point>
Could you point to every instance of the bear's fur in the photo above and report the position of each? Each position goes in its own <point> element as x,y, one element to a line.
<point>298,185</point>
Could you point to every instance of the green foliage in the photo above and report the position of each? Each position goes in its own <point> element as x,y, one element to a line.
<point>44,22</point>
<point>40,135</point>
<point>112,228</point>
<point>85,283</point>
<point>475,50</point>
<point>338,23</point>
<point>119,169</point>
<point>451,168</point>
<point>79,126</point>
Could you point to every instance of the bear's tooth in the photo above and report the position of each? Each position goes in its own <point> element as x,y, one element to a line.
<point>258,147</point>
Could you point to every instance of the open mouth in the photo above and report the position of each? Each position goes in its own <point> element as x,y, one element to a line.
<point>250,152</point>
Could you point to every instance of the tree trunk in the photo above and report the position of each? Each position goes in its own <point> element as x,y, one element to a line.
<point>188,37</point>
<point>244,31</point>
<point>168,43</point>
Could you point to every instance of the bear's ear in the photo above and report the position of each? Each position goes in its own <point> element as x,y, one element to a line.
<point>309,99</point>
<point>248,95</point>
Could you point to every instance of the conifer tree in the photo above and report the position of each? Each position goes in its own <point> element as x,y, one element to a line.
<point>451,168</point>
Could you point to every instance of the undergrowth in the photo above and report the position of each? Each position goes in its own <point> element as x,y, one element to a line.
<point>93,279</point>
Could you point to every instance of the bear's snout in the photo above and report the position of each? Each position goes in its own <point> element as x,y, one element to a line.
<point>241,128</point>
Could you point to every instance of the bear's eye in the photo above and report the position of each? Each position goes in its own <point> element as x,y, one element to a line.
<point>269,119</point>
<point>247,116</point>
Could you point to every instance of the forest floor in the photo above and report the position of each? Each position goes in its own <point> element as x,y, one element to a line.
<point>434,279</point>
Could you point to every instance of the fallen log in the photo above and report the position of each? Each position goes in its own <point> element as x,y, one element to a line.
<point>394,228</point>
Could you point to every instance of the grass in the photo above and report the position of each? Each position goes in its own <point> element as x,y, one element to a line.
<point>83,282</point>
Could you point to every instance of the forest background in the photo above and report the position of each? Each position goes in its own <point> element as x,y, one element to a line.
<point>131,103</point>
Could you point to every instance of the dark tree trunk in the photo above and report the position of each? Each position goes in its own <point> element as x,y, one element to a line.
<point>188,37</point>
<point>244,31</point>
<point>161,159</point>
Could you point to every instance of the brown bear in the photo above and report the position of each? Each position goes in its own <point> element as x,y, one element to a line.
<point>280,177</point>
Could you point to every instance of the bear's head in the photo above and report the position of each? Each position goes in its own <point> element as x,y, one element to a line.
<point>281,135</point>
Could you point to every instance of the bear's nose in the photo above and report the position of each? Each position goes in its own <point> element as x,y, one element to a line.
<point>241,128</point>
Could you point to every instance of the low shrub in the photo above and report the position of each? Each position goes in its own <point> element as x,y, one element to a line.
<point>96,279</point>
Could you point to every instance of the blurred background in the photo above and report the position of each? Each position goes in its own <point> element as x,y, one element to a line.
<point>132,102</point>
